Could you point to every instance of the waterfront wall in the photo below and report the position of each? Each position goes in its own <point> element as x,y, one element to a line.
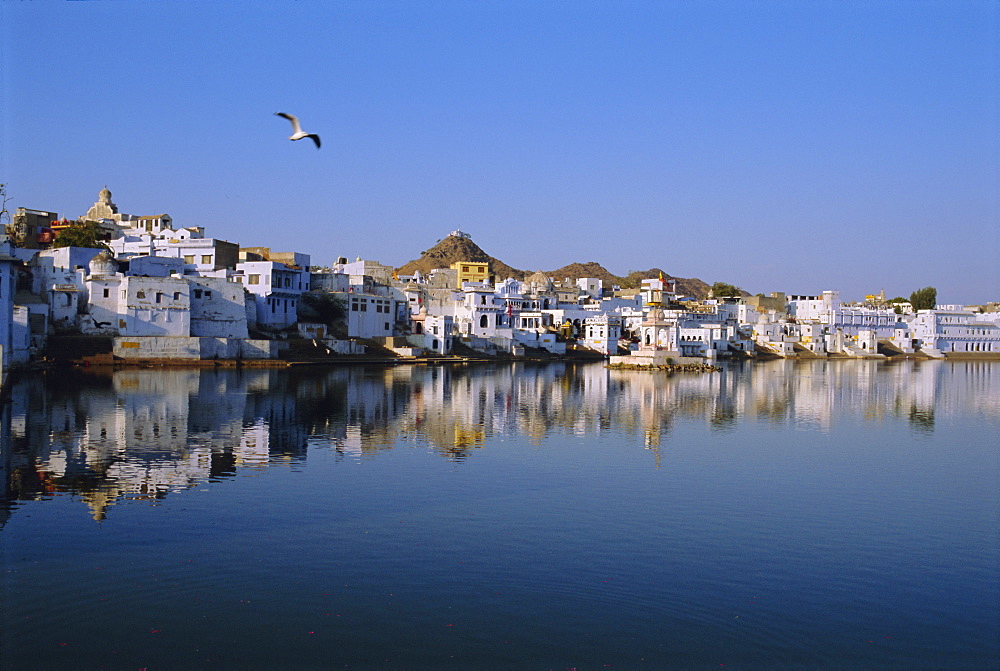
<point>185,348</point>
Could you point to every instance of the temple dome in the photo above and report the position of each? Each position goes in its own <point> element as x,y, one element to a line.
<point>540,281</point>
<point>103,264</point>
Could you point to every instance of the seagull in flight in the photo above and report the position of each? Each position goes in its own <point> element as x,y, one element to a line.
<point>297,132</point>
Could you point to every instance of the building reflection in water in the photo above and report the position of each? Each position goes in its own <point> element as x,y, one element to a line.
<point>141,434</point>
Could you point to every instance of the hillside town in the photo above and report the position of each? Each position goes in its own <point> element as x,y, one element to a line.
<point>153,291</point>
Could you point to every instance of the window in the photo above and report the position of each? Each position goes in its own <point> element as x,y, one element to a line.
<point>253,279</point>
<point>206,258</point>
<point>140,294</point>
<point>197,293</point>
<point>107,292</point>
<point>208,294</point>
<point>364,306</point>
<point>189,258</point>
<point>159,296</point>
<point>177,295</point>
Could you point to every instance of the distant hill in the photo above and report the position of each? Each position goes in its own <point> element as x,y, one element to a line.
<point>685,286</point>
<point>455,248</point>
<point>575,271</point>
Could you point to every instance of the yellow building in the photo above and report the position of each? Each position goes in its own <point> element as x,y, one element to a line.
<point>471,271</point>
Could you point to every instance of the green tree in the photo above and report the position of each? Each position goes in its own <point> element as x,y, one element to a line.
<point>321,307</point>
<point>924,299</point>
<point>723,290</point>
<point>81,234</point>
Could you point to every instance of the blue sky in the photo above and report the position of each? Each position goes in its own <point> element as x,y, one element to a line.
<point>779,146</point>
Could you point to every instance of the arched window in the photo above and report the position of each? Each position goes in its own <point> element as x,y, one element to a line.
<point>483,321</point>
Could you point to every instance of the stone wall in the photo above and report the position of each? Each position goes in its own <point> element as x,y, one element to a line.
<point>184,348</point>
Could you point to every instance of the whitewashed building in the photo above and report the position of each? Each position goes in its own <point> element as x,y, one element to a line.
<point>200,255</point>
<point>830,311</point>
<point>276,288</point>
<point>602,333</point>
<point>952,329</point>
<point>14,333</point>
<point>218,308</point>
<point>434,334</point>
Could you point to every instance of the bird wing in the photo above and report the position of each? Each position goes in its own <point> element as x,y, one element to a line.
<point>294,119</point>
<point>315,138</point>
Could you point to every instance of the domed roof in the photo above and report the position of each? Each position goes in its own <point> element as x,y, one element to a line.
<point>103,263</point>
<point>105,194</point>
<point>540,280</point>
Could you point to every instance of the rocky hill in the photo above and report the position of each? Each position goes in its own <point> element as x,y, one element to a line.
<point>575,271</point>
<point>455,248</point>
<point>685,286</point>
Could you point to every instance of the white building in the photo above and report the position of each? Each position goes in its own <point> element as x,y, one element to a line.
<point>157,306</point>
<point>829,311</point>
<point>601,333</point>
<point>952,329</point>
<point>277,289</point>
<point>14,334</point>
<point>219,308</point>
<point>433,333</point>
<point>371,315</point>
<point>140,306</point>
<point>200,255</point>
<point>591,286</point>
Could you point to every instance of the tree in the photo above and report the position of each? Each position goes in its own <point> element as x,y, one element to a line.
<point>4,214</point>
<point>924,299</point>
<point>321,307</point>
<point>81,234</point>
<point>723,290</point>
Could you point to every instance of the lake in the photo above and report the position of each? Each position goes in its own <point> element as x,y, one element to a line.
<point>823,514</point>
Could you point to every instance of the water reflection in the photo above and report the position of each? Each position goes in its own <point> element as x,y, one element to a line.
<point>141,434</point>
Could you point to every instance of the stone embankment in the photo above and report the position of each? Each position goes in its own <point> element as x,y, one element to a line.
<point>669,368</point>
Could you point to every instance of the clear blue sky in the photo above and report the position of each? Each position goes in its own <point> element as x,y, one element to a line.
<point>779,146</point>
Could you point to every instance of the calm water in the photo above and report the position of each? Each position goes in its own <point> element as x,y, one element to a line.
<point>810,515</point>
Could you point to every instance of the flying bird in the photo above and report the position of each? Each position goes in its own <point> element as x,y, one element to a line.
<point>297,132</point>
